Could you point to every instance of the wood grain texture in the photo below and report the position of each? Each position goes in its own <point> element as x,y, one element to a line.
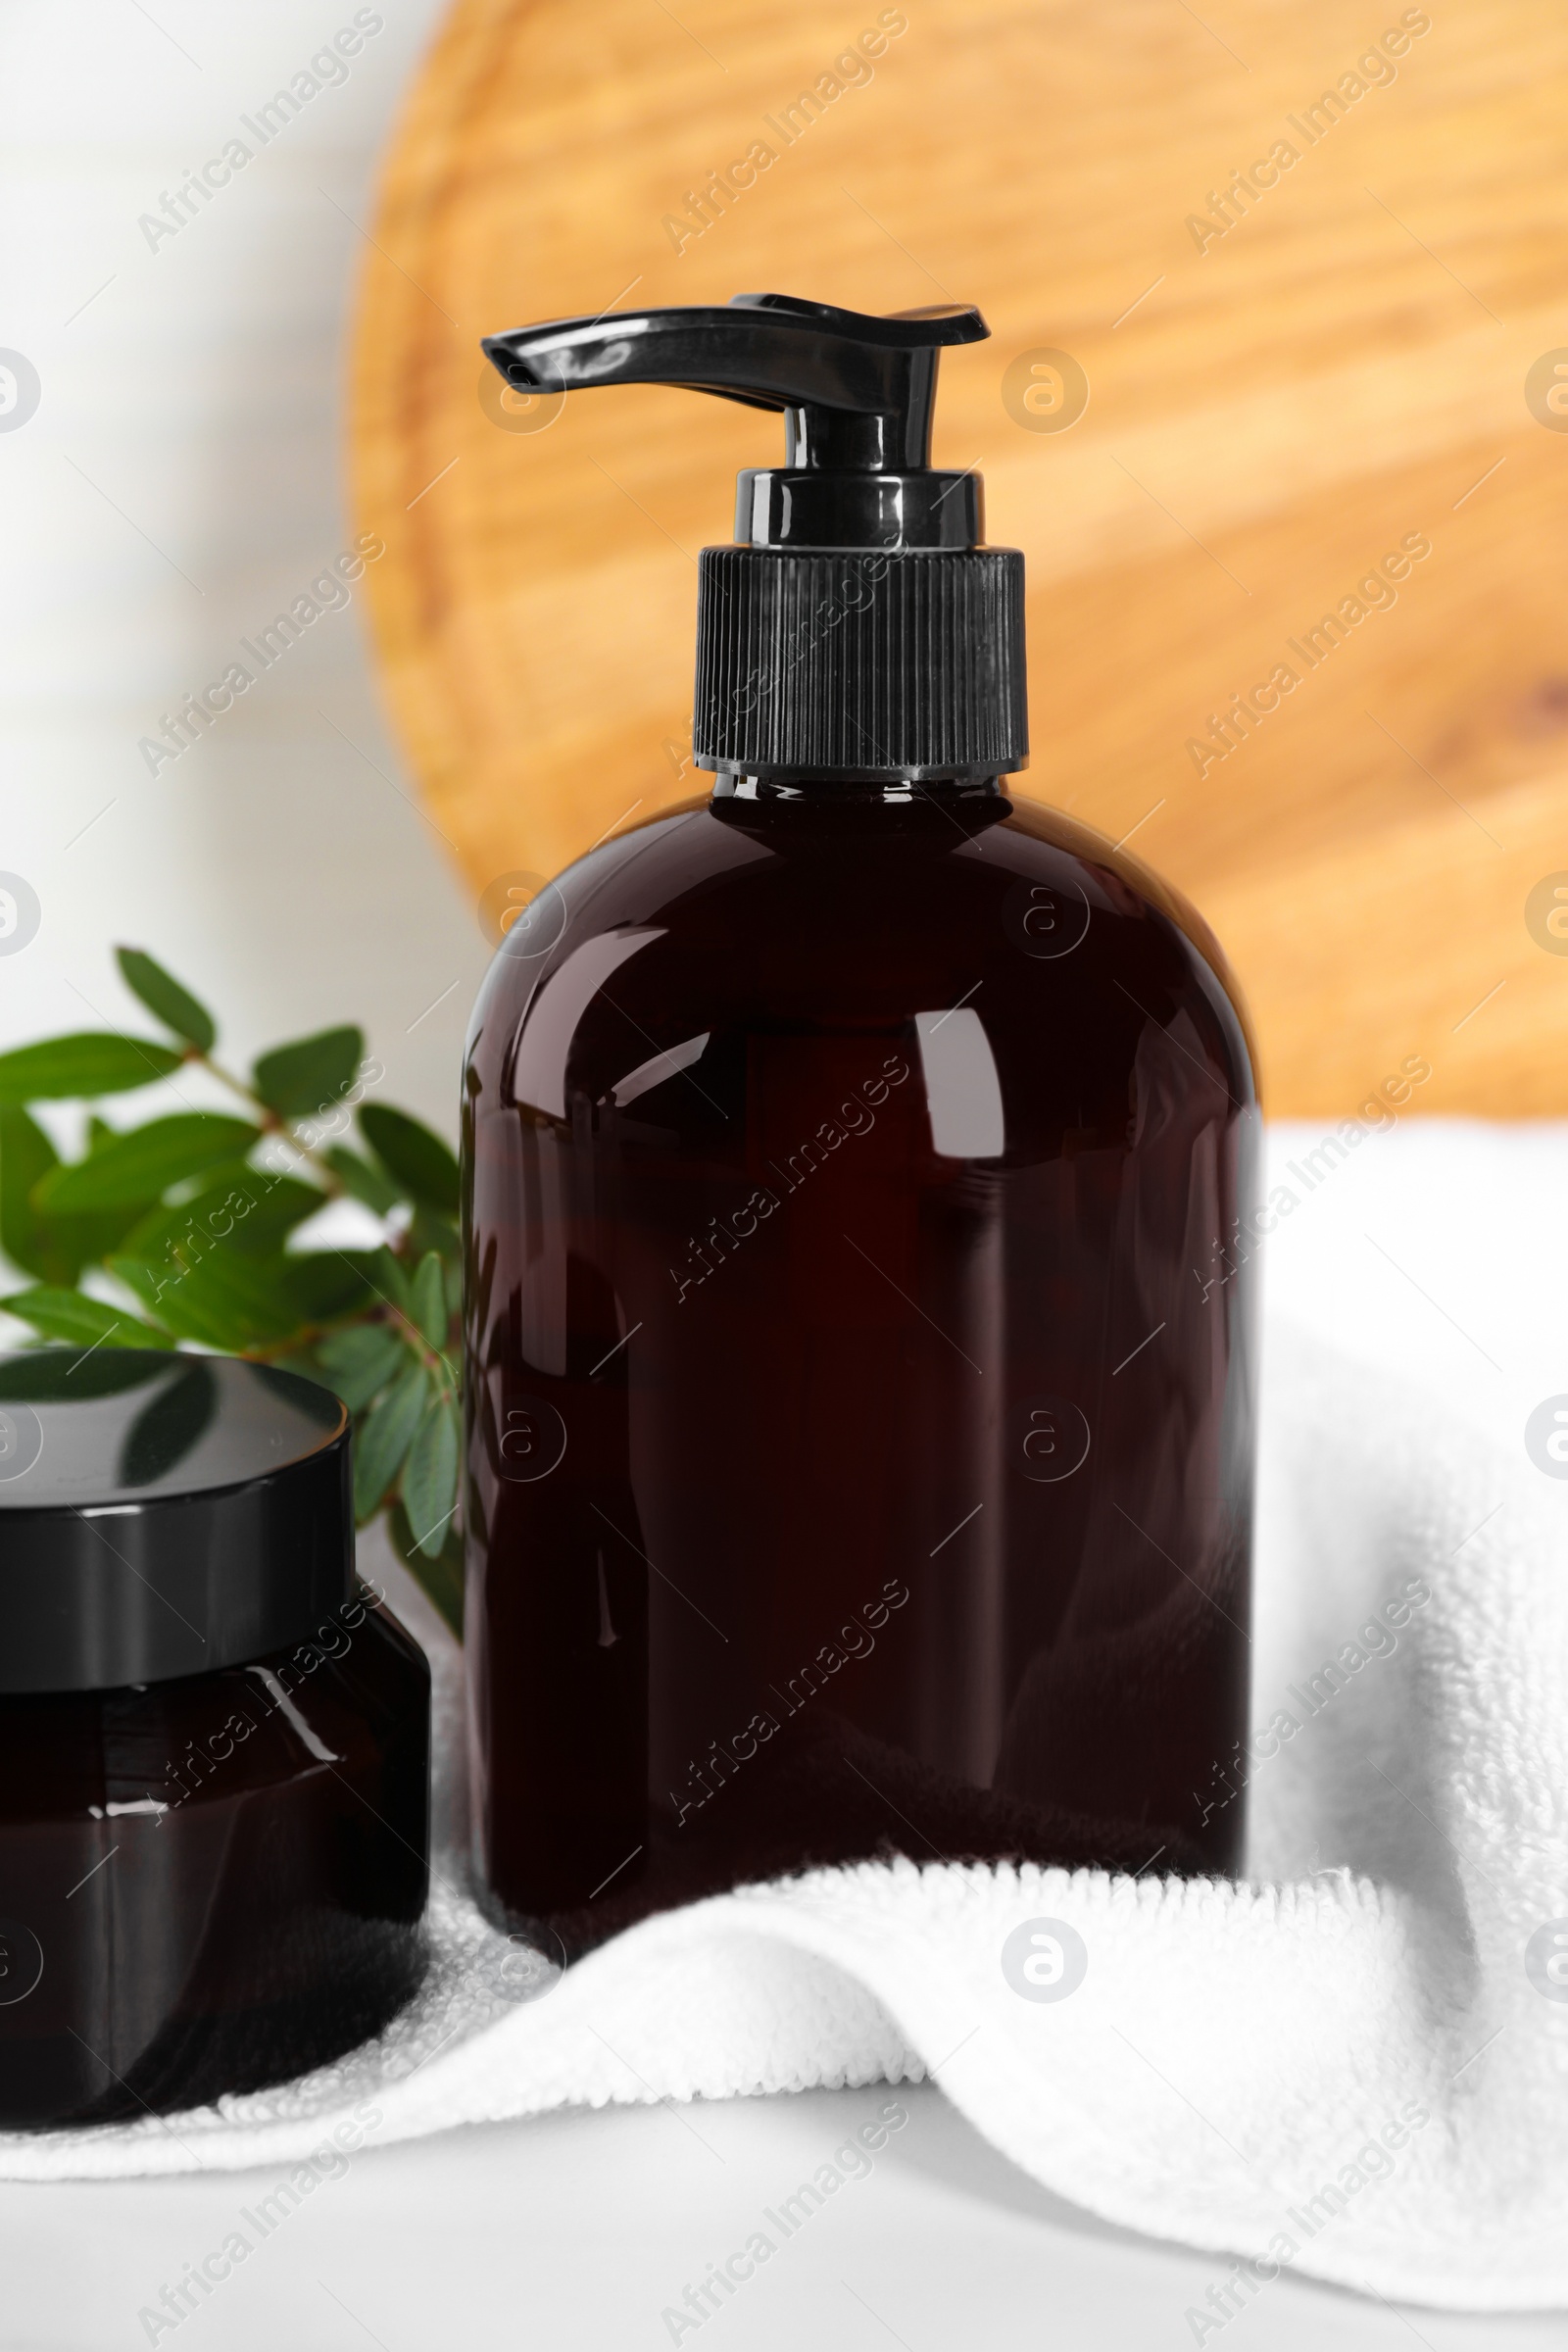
<point>1344,366</point>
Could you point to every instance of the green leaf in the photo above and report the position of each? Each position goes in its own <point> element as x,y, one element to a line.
<point>430,1476</point>
<point>53,1249</point>
<point>326,1285</point>
<point>430,1300</point>
<point>427,1231</point>
<point>441,1578</point>
<point>26,1155</point>
<point>73,1315</point>
<point>360,1346</point>
<point>50,1248</point>
<point>40,1375</point>
<point>418,1163</point>
<point>240,1208</point>
<point>387,1271</point>
<point>361,1180</point>
<point>87,1240</point>
<point>224,1301</point>
<point>310,1075</point>
<point>384,1438</point>
<point>138,1164</point>
<point>166,1000</point>
<point>250,1296</point>
<point>82,1068</point>
<point>359,1362</point>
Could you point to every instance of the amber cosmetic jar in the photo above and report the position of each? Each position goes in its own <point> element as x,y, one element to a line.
<point>214,1740</point>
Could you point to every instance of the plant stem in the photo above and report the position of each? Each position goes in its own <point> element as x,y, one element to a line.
<point>272,1124</point>
<point>432,1358</point>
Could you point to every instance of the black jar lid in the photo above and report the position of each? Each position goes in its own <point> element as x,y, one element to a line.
<point>163,1514</point>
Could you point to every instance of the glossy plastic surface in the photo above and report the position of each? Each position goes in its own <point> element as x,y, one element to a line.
<point>212,1883</point>
<point>860,1396</point>
<point>856,389</point>
<point>163,1514</point>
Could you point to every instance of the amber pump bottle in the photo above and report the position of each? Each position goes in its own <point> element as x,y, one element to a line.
<point>859,1360</point>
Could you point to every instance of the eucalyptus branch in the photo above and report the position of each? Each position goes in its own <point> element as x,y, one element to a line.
<point>272,1123</point>
<point>93,1234</point>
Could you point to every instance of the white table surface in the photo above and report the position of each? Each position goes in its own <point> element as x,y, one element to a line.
<point>579,2230</point>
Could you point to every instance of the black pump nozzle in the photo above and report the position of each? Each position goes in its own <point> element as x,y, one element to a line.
<point>851,647</point>
<point>856,392</point>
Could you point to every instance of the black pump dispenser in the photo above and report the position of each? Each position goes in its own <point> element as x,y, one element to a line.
<point>856,630</point>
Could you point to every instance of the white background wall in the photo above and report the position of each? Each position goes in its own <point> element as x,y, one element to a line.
<point>181,479</point>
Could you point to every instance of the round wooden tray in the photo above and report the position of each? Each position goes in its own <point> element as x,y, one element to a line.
<point>1272,409</point>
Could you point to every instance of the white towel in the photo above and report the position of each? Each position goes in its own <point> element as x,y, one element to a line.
<point>1354,2064</point>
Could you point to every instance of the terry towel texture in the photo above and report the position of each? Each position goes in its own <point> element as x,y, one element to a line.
<point>1356,2062</point>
